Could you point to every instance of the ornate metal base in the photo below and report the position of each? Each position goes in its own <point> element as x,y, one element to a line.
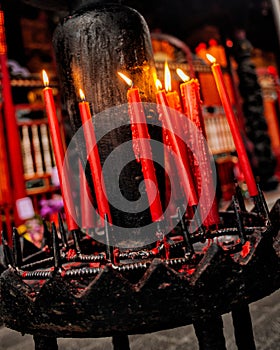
<point>78,299</point>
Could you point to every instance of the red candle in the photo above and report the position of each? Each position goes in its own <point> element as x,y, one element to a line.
<point>191,100</point>
<point>172,97</point>
<point>13,138</point>
<point>234,127</point>
<point>94,160</point>
<point>181,160</point>
<point>87,212</point>
<point>140,129</point>
<point>192,108</point>
<point>59,155</point>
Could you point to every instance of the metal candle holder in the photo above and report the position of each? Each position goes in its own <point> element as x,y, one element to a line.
<point>72,294</point>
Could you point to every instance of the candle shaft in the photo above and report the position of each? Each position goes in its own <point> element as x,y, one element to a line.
<point>94,162</point>
<point>138,120</point>
<point>232,121</point>
<point>59,159</point>
<point>192,108</point>
<point>181,159</point>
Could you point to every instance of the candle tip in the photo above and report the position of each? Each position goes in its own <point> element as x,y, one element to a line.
<point>82,95</point>
<point>211,58</point>
<point>182,75</point>
<point>45,78</point>
<point>126,79</point>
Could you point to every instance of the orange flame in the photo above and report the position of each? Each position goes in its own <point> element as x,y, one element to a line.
<point>167,78</point>
<point>45,78</point>
<point>82,95</point>
<point>182,75</point>
<point>211,58</point>
<point>158,85</point>
<point>126,79</point>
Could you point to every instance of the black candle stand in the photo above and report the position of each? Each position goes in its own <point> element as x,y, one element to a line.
<point>65,294</point>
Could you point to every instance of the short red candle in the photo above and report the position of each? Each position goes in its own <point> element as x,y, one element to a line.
<point>234,127</point>
<point>172,97</point>
<point>94,160</point>
<point>191,102</point>
<point>181,160</point>
<point>138,121</point>
<point>59,155</point>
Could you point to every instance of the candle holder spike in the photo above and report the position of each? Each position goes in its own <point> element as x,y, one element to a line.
<point>56,248</point>
<point>189,251</point>
<point>47,238</point>
<point>9,258</point>
<point>17,248</point>
<point>107,237</point>
<point>239,222</point>
<point>77,241</point>
<point>63,232</point>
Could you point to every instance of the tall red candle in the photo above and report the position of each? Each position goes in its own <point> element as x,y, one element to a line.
<point>13,138</point>
<point>59,155</point>
<point>87,210</point>
<point>94,160</point>
<point>138,122</point>
<point>234,127</point>
<point>181,160</point>
<point>192,109</point>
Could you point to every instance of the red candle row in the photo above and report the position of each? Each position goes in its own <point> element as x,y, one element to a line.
<point>192,109</point>
<point>93,158</point>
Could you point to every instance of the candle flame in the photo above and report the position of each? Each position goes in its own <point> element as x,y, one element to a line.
<point>45,78</point>
<point>167,78</point>
<point>126,79</point>
<point>82,95</point>
<point>211,58</point>
<point>182,75</point>
<point>158,84</point>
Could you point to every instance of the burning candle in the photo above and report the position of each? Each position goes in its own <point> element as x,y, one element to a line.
<point>59,154</point>
<point>234,127</point>
<point>94,159</point>
<point>172,97</point>
<point>192,108</point>
<point>181,160</point>
<point>141,136</point>
<point>191,100</point>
